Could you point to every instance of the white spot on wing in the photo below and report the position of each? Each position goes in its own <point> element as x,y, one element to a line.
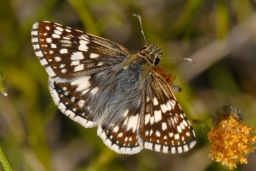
<point>34,40</point>
<point>155,101</point>
<point>158,115</point>
<point>48,40</point>
<point>180,150</point>
<point>77,56</point>
<point>82,83</point>
<point>173,150</point>
<point>53,46</point>
<point>192,144</point>
<point>125,112</point>
<point>147,119</point>
<point>50,71</point>
<point>185,148</point>
<point>67,30</point>
<point>157,147</point>
<point>59,28</point>
<point>171,134</point>
<point>63,51</point>
<point>148,145</point>
<point>43,62</point>
<point>120,134</point>
<point>82,45</point>
<point>74,63</point>
<point>158,134</point>
<point>94,90</point>
<point>164,126</point>
<point>177,136</point>
<point>35,26</point>
<point>164,108</point>
<point>184,122</point>
<point>39,54</point>
<point>55,36</point>
<point>63,71</point>
<point>179,129</point>
<point>79,68</point>
<point>34,33</point>
<point>100,63</point>
<point>148,99</point>
<point>62,65</point>
<point>132,122</point>
<point>94,55</point>
<point>36,46</point>
<point>57,32</point>
<point>116,128</point>
<point>165,149</point>
<point>81,103</point>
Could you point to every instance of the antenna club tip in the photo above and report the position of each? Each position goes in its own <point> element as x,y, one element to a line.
<point>184,59</point>
<point>190,60</point>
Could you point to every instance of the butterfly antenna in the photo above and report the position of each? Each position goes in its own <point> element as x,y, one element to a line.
<point>141,26</point>
<point>183,59</point>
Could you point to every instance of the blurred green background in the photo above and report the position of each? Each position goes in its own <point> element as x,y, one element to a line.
<point>219,35</point>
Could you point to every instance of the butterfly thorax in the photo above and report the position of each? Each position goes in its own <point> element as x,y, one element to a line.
<point>151,54</point>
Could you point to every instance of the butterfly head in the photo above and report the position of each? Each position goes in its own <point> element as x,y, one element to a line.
<point>151,53</point>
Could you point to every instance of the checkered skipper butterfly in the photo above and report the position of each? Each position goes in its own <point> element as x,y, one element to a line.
<point>97,82</point>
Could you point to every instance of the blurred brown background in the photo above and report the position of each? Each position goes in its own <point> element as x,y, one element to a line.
<point>219,35</point>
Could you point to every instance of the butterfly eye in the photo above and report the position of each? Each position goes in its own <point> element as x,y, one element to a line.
<point>143,48</point>
<point>156,61</point>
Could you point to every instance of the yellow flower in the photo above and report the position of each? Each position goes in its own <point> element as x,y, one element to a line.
<point>231,141</point>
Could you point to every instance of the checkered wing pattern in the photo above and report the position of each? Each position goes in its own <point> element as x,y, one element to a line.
<point>122,135</point>
<point>163,125</point>
<point>66,52</point>
<point>77,64</point>
<point>97,82</point>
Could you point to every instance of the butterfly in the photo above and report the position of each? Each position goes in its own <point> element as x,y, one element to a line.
<point>99,83</point>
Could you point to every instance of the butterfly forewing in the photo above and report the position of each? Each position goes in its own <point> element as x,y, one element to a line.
<point>65,51</point>
<point>78,64</point>
<point>164,126</point>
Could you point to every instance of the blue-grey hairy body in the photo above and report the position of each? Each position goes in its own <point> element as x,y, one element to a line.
<point>121,89</point>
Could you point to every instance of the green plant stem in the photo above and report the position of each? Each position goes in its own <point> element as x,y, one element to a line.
<point>4,161</point>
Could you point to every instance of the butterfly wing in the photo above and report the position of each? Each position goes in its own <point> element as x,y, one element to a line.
<point>79,65</point>
<point>86,83</point>
<point>118,129</point>
<point>121,135</point>
<point>150,118</point>
<point>163,125</point>
<point>66,52</point>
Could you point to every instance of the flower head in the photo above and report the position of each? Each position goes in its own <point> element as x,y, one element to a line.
<point>231,140</point>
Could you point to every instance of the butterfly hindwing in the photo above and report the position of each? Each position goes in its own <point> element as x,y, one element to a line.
<point>71,102</point>
<point>122,136</point>
<point>119,126</point>
<point>164,126</point>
